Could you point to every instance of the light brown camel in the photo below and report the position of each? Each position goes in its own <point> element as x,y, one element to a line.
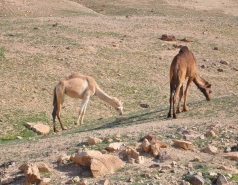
<point>184,66</point>
<point>83,87</point>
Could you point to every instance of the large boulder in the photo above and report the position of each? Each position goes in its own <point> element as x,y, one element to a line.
<point>31,172</point>
<point>84,158</point>
<point>105,164</point>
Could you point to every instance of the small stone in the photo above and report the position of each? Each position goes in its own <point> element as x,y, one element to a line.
<point>210,149</point>
<point>197,159</point>
<point>216,48</point>
<point>211,133</point>
<point>224,62</point>
<point>220,70</point>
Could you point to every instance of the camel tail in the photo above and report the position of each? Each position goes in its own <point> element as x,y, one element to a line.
<point>55,105</point>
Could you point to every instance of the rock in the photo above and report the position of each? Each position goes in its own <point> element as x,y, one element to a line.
<point>104,182</point>
<point>211,133</point>
<point>197,159</point>
<point>76,179</point>
<point>39,128</point>
<point>93,140</point>
<point>144,105</point>
<point>234,170</point>
<point>46,180</point>
<point>224,62</point>
<point>42,167</point>
<point>183,144</point>
<point>84,158</point>
<point>221,180</point>
<point>186,40</point>
<point>131,152</point>
<point>166,37</point>
<point>210,149</point>
<point>196,180</point>
<point>216,48</point>
<point>83,182</point>
<point>105,164</point>
<point>231,156</point>
<point>6,181</point>
<point>184,183</point>
<point>220,70</point>
<point>145,146</point>
<point>31,172</point>
<point>140,160</point>
<point>114,146</point>
<point>63,159</point>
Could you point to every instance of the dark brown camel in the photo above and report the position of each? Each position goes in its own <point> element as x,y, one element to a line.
<point>184,66</point>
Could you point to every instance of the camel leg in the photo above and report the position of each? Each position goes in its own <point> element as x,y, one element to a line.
<point>54,116</point>
<point>180,97</point>
<point>170,102</point>
<point>174,99</point>
<point>82,111</point>
<point>185,108</point>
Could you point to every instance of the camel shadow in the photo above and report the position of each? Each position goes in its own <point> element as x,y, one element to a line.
<point>138,118</point>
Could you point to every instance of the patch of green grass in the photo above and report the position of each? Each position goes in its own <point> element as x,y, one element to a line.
<point>2,53</point>
<point>234,177</point>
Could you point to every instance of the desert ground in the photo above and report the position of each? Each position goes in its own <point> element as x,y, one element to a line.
<point>119,44</point>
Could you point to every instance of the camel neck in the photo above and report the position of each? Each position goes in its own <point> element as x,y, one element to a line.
<point>103,96</point>
<point>200,83</point>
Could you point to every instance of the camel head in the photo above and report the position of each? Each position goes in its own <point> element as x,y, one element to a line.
<point>117,105</point>
<point>207,91</point>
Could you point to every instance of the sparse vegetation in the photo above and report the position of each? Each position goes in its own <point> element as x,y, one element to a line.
<point>118,43</point>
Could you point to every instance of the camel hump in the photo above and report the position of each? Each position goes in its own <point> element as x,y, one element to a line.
<point>184,49</point>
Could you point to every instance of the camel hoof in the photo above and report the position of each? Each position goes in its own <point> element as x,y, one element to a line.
<point>185,109</point>
<point>178,111</point>
<point>174,116</point>
<point>169,115</point>
<point>56,130</point>
<point>76,123</point>
<point>64,128</point>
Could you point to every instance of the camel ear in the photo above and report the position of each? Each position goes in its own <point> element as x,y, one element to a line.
<point>209,85</point>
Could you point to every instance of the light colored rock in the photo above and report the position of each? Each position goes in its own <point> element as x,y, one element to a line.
<point>84,158</point>
<point>104,182</point>
<point>211,133</point>
<point>183,144</point>
<point>93,141</point>
<point>231,169</point>
<point>31,172</point>
<point>42,167</point>
<point>155,148</point>
<point>131,152</point>
<point>6,181</point>
<point>231,156</point>
<point>197,159</point>
<point>39,128</point>
<point>145,146</point>
<point>105,164</point>
<point>83,182</point>
<point>63,158</point>
<point>210,149</point>
<point>140,160</point>
<point>114,146</point>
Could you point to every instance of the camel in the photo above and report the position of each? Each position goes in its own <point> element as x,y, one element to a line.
<point>184,66</point>
<point>83,87</point>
